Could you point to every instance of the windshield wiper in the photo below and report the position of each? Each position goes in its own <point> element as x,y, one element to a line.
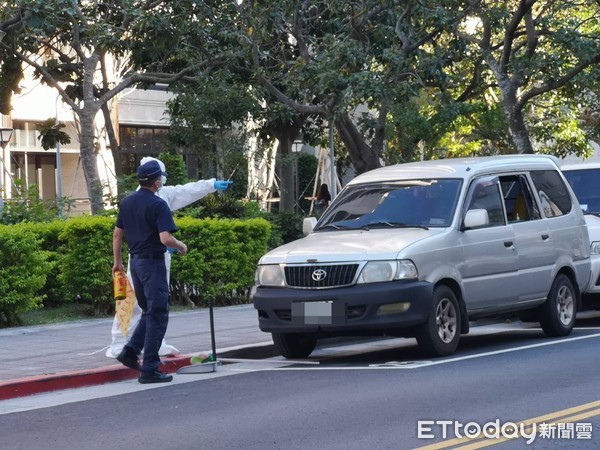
<point>391,224</point>
<point>335,227</point>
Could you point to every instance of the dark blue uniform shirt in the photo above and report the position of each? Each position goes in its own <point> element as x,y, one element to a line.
<point>144,215</point>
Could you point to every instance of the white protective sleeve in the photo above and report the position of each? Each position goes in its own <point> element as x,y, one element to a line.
<point>177,197</point>
<point>182,195</point>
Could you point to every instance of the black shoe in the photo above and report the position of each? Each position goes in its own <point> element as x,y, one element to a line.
<point>154,377</point>
<point>129,358</point>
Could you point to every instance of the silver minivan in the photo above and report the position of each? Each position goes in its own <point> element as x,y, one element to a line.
<point>421,249</point>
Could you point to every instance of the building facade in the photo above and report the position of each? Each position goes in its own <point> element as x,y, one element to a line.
<point>142,128</point>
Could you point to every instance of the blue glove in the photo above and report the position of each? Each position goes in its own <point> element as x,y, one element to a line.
<point>221,185</point>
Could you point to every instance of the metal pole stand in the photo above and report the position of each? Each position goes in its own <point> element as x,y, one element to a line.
<point>207,364</point>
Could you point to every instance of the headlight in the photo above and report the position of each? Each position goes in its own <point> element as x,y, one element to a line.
<point>595,248</point>
<point>378,271</point>
<point>270,275</point>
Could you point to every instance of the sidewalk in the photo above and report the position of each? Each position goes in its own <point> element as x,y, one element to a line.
<point>50,357</point>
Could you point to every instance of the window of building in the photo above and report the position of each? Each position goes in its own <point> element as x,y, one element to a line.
<point>25,134</point>
<point>142,140</point>
<point>137,142</point>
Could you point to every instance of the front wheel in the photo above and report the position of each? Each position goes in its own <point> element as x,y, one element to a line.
<point>557,315</point>
<point>439,336</point>
<point>294,345</point>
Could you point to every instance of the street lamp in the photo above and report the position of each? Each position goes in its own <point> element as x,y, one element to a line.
<point>5,135</point>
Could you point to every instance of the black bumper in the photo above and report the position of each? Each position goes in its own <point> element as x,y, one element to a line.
<point>353,310</point>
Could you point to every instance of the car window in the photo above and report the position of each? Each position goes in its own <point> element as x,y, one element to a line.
<point>553,193</point>
<point>586,185</point>
<point>518,200</point>
<point>410,203</point>
<point>484,193</point>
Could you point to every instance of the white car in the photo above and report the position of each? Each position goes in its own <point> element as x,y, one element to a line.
<point>584,179</point>
<point>420,249</point>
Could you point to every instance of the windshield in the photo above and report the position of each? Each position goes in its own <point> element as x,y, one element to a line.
<point>586,185</point>
<point>401,204</point>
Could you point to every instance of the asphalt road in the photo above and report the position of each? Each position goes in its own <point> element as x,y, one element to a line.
<point>360,395</point>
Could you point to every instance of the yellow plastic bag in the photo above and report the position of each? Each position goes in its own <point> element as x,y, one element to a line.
<point>124,309</point>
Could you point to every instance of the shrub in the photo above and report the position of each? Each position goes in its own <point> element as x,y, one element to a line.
<point>221,259</point>
<point>23,268</point>
<point>47,234</point>
<point>86,266</point>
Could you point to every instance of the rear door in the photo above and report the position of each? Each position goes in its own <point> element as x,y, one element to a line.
<point>533,241</point>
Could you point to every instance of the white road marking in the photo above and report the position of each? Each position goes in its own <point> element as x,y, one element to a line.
<point>55,398</point>
<point>418,364</point>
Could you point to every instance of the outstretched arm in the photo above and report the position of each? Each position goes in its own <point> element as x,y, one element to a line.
<point>182,195</point>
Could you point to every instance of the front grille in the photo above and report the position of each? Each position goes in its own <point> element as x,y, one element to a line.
<point>320,276</point>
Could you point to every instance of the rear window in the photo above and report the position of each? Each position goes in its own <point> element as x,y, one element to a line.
<point>552,191</point>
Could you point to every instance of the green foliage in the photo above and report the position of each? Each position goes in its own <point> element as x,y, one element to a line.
<point>59,263</point>
<point>86,266</point>
<point>307,169</point>
<point>218,205</point>
<point>23,269</point>
<point>175,167</point>
<point>222,256</point>
<point>27,206</point>
<point>287,225</point>
<point>47,234</point>
<point>51,134</point>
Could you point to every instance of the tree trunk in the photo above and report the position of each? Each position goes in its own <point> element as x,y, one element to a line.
<point>115,148</point>
<point>364,158</point>
<point>286,161</point>
<point>286,174</point>
<point>87,116</point>
<point>88,159</point>
<point>519,131</point>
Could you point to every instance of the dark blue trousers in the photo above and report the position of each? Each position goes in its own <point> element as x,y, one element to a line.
<point>149,278</point>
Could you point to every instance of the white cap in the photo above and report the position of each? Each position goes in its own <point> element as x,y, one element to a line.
<point>146,159</point>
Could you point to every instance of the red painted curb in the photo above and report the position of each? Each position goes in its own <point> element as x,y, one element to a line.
<point>22,387</point>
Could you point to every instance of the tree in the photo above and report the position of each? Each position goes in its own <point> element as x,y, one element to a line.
<point>534,49</point>
<point>69,45</point>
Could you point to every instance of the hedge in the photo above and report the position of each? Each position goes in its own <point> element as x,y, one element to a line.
<point>23,269</point>
<point>65,261</point>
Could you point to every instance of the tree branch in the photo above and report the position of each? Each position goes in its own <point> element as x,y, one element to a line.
<point>509,35</point>
<point>46,75</point>
<point>534,92</point>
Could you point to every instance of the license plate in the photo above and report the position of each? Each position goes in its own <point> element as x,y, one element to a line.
<point>317,313</point>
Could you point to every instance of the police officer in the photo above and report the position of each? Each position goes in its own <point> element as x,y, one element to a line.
<point>177,197</point>
<point>146,222</point>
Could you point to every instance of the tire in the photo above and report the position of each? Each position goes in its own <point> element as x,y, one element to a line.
<point>439,336</point>
<point>557,315</point>
<point>294,345</point>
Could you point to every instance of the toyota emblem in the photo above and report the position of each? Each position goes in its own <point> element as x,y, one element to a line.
<point>319,275</point>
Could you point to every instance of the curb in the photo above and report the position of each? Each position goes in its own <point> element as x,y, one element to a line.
<point>23,387</point>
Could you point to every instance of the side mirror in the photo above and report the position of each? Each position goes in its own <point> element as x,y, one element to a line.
<point>308,224</point>
<point>476,218</point>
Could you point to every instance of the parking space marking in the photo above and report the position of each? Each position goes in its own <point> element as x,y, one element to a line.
<point>395,365</point>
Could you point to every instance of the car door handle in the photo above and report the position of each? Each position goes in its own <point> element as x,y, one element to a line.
<point>508,244</point>
<point>545,237</point>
